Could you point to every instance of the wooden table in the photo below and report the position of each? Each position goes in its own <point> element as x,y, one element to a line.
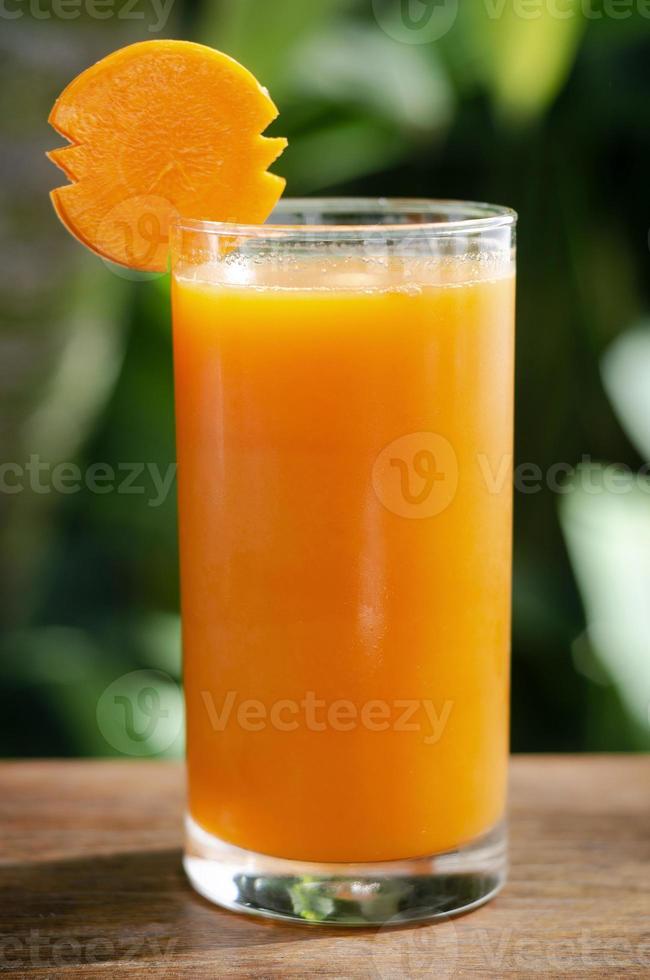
<point>91,885</point>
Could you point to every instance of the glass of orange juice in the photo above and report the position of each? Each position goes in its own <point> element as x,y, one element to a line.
<point>344,395</point>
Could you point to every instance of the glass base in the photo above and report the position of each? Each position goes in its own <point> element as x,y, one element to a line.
<point>346,894</point>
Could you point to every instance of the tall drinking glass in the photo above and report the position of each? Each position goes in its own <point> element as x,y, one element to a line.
<point>344,397</point>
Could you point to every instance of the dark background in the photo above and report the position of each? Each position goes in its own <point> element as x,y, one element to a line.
<point>545,110</point>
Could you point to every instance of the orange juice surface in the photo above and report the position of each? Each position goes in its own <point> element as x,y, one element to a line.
<point>344,446</point>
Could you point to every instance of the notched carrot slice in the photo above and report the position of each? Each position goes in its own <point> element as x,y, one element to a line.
<point>160,129</point>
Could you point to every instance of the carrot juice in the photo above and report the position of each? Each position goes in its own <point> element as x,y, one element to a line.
<point>344,444</point>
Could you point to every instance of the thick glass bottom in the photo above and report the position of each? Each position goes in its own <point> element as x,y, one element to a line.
<point>346,894</point>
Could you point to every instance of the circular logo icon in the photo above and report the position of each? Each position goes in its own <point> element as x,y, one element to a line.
<point>415,21</point>
<point>416,476</point>
<point>141,713</point>
<point>415,951</point>
<point>137,228</point>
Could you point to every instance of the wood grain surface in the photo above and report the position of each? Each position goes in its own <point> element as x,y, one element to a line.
<point>91,885</point>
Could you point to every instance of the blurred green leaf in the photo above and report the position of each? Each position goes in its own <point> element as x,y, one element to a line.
<point>359,66</point>
<point>157,638</point>
<point>88,365</point>
<point>72,672</point>
<point>338,152</point>
<point>606,521</point>
<point>523,60</point>
<point>261,35</point>
<point>626,374</point>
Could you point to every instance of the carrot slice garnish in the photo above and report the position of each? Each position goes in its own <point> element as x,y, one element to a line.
<point>160,129</point>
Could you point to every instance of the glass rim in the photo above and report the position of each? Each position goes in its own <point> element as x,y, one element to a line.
<point>475,217</point>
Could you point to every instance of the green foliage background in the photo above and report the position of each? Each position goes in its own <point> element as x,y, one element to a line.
<point>549,115</point>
